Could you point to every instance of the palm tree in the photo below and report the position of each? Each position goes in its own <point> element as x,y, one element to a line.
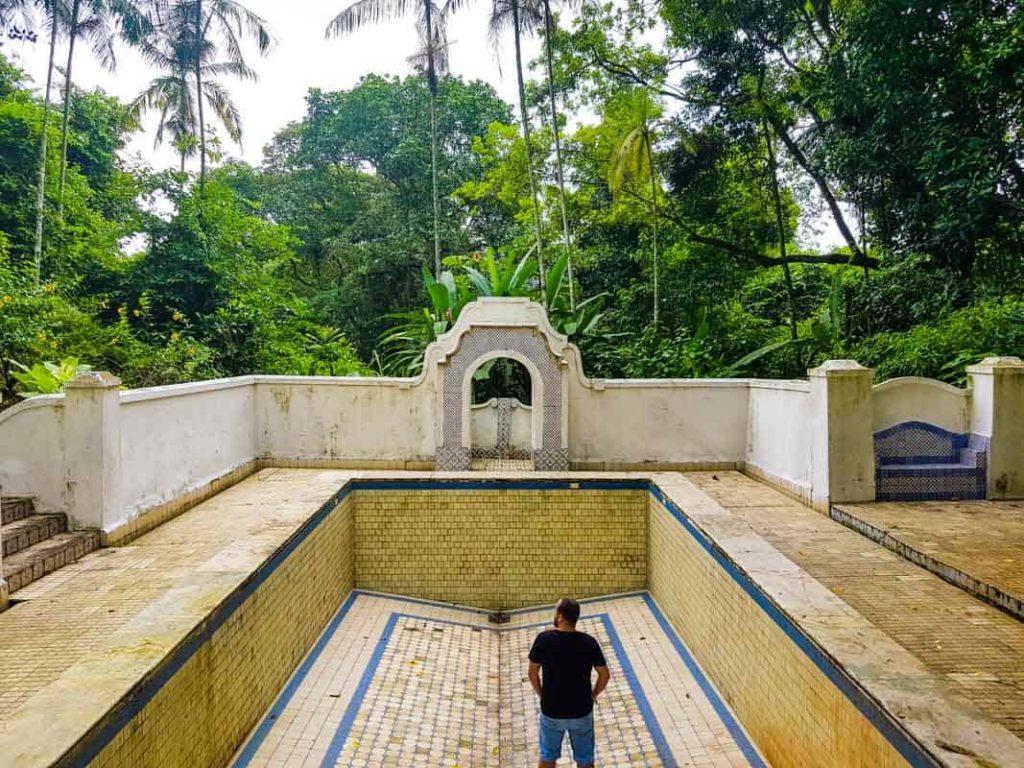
<point>54,13</point>
<point>549,34</point>
<point>54,10</point>
<point>195,29</point>
<point>523,18</point>
<point>631,164</point>
<point>431,25</point>
<point>176,94</point>
<point>104,22</point>
<point>95,26</point>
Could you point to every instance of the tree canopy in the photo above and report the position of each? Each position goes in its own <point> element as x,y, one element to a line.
<point>695,188</point>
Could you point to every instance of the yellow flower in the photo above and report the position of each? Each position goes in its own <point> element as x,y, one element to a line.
<point>6,300</point>
<point>53,345</point>
<point>41,335</point>
<point>49,288</point>
<point>136,312</point>
<point>175,336</point>
<point>177,316</point>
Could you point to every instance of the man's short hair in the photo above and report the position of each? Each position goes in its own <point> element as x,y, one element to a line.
<point>568,609</point>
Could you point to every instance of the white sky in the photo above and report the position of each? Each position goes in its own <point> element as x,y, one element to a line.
<point>302,59</point>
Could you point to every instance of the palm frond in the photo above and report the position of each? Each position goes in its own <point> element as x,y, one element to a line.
<point>366,12</point>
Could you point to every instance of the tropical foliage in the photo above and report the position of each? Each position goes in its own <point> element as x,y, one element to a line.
<point>692,188</point>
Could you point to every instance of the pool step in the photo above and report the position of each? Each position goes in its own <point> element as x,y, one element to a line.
<point>22,534</point>
<point>15,508</point>
<point>37,544</point>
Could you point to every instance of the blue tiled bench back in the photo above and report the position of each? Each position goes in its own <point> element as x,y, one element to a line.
<point>915,461</point>
<point>915,442</point>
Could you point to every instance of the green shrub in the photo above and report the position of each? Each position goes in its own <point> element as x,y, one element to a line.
<point>942,349</point>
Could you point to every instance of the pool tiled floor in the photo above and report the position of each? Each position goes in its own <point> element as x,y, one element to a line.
<point>396,682</point>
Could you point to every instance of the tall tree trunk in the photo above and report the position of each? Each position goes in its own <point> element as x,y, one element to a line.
<point>654,220</point>
<point>773,180</point>
<point>199,94</point>
<point>432,87</point>
<point>549,32</point>
<point>41,191</point>
<point>73,34</point>
<point>859,257</point>
<point>529,151</point>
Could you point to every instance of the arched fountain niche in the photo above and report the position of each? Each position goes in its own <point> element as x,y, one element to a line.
<point>490,330</point>
<point>500,411</point>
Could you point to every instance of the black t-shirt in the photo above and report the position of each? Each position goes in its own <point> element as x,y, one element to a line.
<point>566,659</point>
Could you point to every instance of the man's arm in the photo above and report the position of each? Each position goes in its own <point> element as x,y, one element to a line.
<point>534,675</point>
<point>602,680</point>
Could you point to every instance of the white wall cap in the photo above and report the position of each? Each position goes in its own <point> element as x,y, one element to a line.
<point>1003,364</point>
<point>840,368</point>
<point>93,380</point>
<point>903,382</point>
<point>38,401</point>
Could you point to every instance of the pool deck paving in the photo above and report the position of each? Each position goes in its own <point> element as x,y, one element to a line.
<point>85,635</point>
<point>977,545</point>
<point>401,683</point>
<point>976,647</point>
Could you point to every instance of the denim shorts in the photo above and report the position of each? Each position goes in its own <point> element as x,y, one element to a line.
<point>581,736</point>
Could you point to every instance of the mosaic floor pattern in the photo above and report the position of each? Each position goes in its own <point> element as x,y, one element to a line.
<point>396,682</point>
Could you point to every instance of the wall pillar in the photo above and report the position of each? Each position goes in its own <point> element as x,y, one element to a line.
<point>997,413</point>
<point>842,443</point>
<point>92,444</point>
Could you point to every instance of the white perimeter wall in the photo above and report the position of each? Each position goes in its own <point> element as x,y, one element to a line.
<point>32,451</point>
<point>178,438</point>
<point>779,432</point>
<point>915,399</point>
<point>344,418</point>
<point>660,421</point>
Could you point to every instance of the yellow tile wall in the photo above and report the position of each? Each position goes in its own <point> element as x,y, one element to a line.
<point>501,548</point>
<point>202,714</point>
<point>793,712</point>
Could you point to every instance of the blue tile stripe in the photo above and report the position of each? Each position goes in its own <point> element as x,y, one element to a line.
<point>341,734</point>
<point>288,692</point>
<point>901,741</point>
<point>710,692</point>
<point>484,612</point>
<point>499,484</point>
<point>94,742</point>
<point>650,719</point>
<point>143,692</point>
<point>356,703</point>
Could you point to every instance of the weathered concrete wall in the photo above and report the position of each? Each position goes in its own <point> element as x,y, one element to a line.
<point>32,451</point>
<point>337,419</point>
<point>997,412</point>
<point>484,425</point>
<point>912,398</point>
<point>193,434</point>
<point>778,437</point>
<point>616,424</point>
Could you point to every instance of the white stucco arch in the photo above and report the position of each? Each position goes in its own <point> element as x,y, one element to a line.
<point>489,329</point>
<point>536,394</point>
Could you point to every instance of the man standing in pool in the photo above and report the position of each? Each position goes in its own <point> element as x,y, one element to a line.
<point>567,658</point>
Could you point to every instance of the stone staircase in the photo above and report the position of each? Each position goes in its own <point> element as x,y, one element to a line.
<point>37,544</point>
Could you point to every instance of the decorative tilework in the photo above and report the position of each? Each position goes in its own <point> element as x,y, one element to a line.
<point>524,341</point>
<point>406,683</point>
<point>916,461</point>
<point>502,448</point>
<point>501,545</point>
